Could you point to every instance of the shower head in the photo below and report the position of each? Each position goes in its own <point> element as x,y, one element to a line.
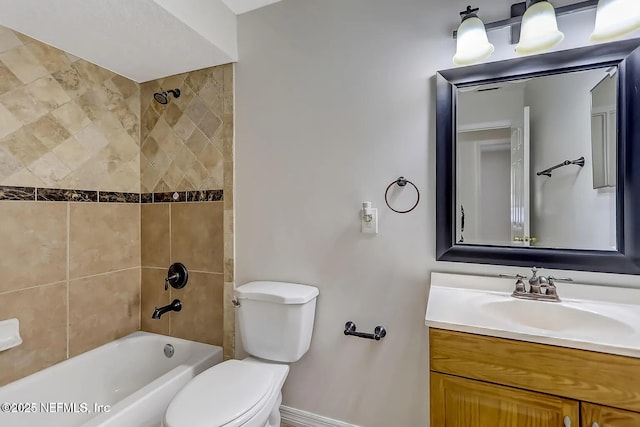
<point>160,97</point>
<point>163,97</point>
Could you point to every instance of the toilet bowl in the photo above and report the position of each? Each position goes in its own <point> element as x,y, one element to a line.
<point>236,393</point>
<point>276,322</point>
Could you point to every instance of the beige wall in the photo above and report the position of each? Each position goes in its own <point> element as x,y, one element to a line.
<point>183,141</point>
<point>68,124</point>
<point>190,233</point>
<point>71,274</point>
<point>64,122</point>
<point>73,269</point>
<point>188,145</point>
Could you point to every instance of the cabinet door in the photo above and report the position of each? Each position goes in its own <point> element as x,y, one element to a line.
<point>603,416</point>
<point>460,402</point>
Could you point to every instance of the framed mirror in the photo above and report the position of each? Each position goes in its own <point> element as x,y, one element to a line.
<point>535,161</point>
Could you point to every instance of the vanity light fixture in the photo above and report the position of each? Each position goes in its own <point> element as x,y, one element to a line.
<point>539,30</point>
<point>615,18</point>
<point>534,27</point>
<point>472,44</point>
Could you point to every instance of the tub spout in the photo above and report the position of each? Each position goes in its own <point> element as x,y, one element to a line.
<point>176,305</point>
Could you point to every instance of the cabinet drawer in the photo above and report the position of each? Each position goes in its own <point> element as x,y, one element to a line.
<point>577,374</point>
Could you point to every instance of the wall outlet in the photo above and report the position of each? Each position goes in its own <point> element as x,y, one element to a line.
<point>370,227</point>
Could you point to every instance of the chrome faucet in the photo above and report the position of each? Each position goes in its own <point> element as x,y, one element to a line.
<point>541,288</point>
<point>536,283</point>
<point>175,305</point>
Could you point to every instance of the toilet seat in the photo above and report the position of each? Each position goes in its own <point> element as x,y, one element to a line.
<point>227,394</point>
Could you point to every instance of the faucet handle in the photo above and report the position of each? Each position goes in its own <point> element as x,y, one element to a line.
<point>520,288</point>
<point>177,276</point>
<point>551,286</point>
<point>560,279</point>
<point>512,276</point>
<point>552,290</point>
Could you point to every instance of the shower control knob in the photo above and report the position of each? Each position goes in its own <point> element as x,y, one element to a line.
<point>177,276</point>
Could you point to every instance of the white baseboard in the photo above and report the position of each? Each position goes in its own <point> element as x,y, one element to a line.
<point>297,418</point>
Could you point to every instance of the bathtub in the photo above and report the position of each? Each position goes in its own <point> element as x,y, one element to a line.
<point>125,383</point>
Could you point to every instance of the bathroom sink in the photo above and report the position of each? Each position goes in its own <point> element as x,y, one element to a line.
<point>588,317</point>
<point>551,316</point>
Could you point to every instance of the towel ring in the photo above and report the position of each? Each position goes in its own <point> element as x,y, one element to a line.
<point>402,181</point>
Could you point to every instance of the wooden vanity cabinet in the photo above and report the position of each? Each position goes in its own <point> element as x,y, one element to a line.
<point>603,416</point>
<point>460,402</point>
<point>480,381</point>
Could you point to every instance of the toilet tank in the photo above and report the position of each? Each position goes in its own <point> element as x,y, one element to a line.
<point>276,319</point>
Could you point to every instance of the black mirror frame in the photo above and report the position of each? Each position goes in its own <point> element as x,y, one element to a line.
<point>626,259</point>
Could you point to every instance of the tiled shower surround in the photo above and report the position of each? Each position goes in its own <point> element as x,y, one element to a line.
<point>64,122</point>
<point>90,218</point>
<point>184,141</point>
<point>189,234</point>
<point>70,274</point>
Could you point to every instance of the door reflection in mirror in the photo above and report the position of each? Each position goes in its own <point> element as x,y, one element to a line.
<point>506,131</point>
<point>603,131</point>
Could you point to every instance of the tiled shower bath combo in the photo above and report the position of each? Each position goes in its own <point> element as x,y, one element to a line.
<point>101,188</point>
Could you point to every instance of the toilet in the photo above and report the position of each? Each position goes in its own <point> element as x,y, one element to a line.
<point>276,322</point>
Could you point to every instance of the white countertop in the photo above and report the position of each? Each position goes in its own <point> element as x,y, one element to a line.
<point>597,318</point>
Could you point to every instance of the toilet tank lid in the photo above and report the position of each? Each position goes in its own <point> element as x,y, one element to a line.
<point>277,292</point>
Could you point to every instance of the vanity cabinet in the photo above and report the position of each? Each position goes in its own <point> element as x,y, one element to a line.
<point>486,381</point>
<point>603,416</point>
<point>461,402</point>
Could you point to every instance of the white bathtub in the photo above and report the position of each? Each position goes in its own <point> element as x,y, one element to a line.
<point>131,378</point>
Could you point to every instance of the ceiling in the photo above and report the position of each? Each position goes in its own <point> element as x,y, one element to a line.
<point>143,39</point>
<point>242,6</point>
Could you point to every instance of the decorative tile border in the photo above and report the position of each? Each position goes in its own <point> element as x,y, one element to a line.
<point>59,195</point>
<point>54,195</point>
<point>183,196</point>
<point>146,198</point>
<point>170,197</point>
<point>110,197</point>
<point>204,196</point>
<point>17,193</point>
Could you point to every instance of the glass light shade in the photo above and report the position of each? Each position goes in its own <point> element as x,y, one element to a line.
<point>539,30</point>
<point>615,18</point>
<point>472,42</point>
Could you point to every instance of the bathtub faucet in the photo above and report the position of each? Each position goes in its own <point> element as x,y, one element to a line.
<point>176,305</point>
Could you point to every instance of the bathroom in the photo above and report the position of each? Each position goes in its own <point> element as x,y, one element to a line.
<point>328,103</point>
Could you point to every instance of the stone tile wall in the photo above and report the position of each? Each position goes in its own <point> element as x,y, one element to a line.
<point>73,269</point>
<point>183,141</point>
<point>187,144</point>
<point>190,233</point>
<point>71,276</point>
<point>68,124</point>
<point>64,122</point>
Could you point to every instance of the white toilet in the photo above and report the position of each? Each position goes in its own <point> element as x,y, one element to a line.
<point>276,321</point>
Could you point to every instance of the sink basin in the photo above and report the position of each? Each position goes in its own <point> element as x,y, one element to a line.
<point>554,317</point>
<point>589,317</point>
